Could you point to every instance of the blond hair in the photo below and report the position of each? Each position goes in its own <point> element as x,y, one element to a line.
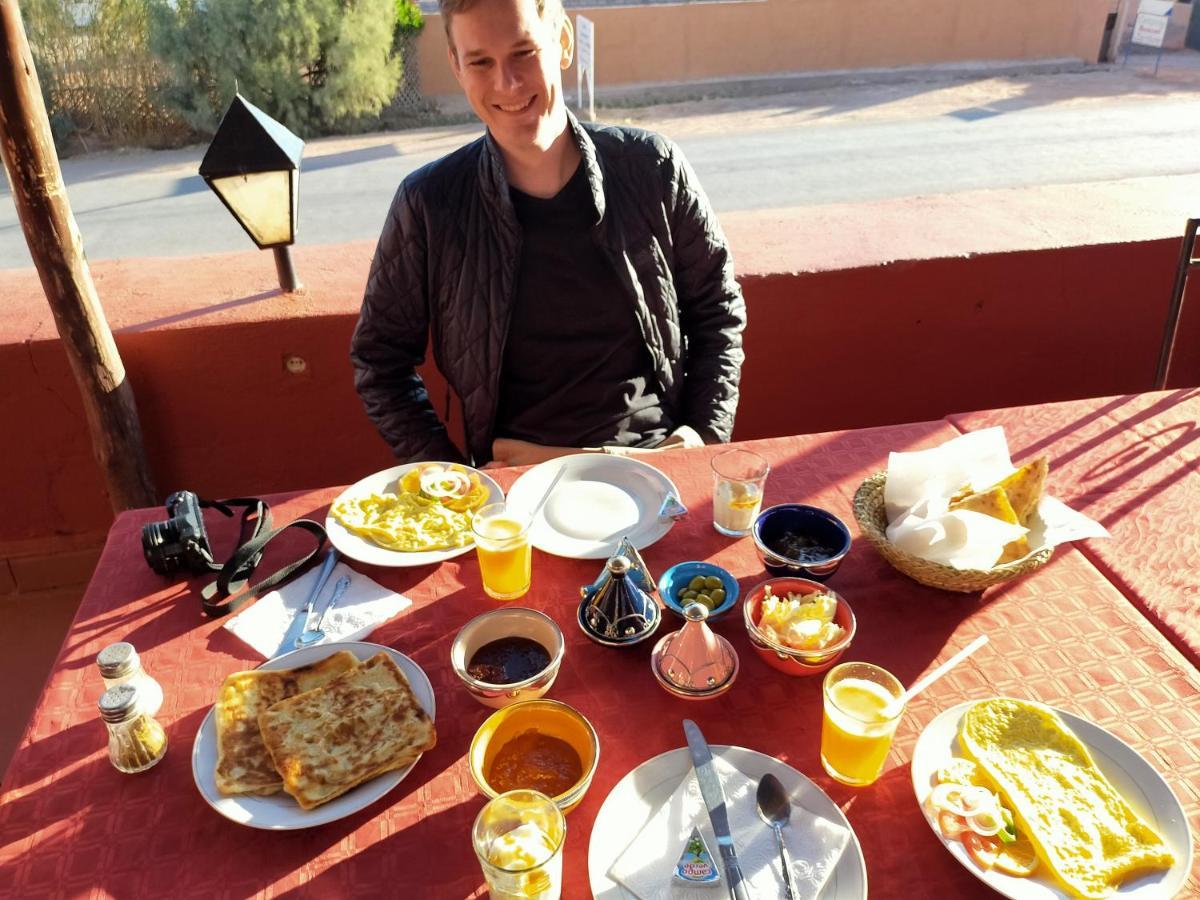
<point>548,10</point>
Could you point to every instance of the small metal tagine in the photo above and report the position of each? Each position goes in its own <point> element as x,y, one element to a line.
<point>638,571</point>
<point>693,662</point>
<point>616,611</point>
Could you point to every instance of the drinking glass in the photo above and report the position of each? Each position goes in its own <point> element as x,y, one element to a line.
<point>738,478</point>
<point>518,839</point>
<point>505,555</point>
<point>857,727</point>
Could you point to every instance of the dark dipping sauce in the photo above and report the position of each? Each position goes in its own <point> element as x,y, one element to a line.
<point>508,661</point>
<point>801,548</point>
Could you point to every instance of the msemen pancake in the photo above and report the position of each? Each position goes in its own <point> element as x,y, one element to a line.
<point>1082,828</point>
<point>243,766</point>
<point>361,724</point>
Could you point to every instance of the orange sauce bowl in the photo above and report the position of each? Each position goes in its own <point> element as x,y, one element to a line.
<point>546,717</point>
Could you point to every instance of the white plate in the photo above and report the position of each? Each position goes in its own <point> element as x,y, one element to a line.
<point>1140,785</point>
<point>637,796</point>
<point>367,551</point>
<point>279,812</point>
<point>599,500</point>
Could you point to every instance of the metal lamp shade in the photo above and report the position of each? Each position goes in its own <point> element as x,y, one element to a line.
<point>253,165</point>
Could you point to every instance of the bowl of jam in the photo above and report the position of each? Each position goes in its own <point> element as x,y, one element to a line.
<point>540,745</point>
<point>508,655</point>
<point>798,541</point>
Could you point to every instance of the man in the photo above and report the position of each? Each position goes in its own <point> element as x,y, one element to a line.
<point>576,285</point>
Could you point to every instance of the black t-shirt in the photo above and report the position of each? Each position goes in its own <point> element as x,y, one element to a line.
<point>576,369</point>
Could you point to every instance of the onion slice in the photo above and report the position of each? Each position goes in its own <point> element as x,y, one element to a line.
<point>445,483</point>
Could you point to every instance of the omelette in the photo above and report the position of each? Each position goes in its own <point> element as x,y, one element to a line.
<point>1081,827</point>
<point>363,723</point>
<point>243,765</point>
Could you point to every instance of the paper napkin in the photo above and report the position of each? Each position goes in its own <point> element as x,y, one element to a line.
<point>917,497</point>
<point>365,606</point>
<point>646,867</point>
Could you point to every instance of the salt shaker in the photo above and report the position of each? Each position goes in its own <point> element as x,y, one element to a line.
<point>136,741</point>
<point>120,664</point>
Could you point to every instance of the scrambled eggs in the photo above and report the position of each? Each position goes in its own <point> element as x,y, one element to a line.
<point>1079,824</point>
<point>800,622</point>
<point>431,510</point>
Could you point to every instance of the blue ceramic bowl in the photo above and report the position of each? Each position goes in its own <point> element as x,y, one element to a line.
<point>800,541</point>
<point>675,578</point>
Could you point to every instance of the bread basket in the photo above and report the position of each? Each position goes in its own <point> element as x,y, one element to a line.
<point>872,522</point>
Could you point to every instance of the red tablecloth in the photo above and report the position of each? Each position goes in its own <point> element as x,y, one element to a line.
<point>72,826</point>
<point>1133,464</point>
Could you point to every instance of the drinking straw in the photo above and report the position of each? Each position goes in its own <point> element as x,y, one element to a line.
<point>899,702</point>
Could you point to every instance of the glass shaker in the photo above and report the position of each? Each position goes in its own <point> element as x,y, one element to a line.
<point>120,664</point>
<point>136,741</point>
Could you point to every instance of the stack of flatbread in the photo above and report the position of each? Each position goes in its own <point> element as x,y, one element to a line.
<point>1013,499</point>
<point>319,730</point>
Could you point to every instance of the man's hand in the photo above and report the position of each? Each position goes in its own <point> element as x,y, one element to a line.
<point>511,452</point>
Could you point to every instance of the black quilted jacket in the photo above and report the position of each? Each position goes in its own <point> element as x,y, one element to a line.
<point>446,266</point>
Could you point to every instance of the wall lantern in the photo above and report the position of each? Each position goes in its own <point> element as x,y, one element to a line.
<point>253,165</point>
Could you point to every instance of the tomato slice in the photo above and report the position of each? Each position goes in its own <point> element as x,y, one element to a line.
<point>1017,858</point>
<point>952,826</point>
<point>984,850</point>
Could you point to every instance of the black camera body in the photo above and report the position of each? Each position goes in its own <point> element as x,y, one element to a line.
<point>180,542</point>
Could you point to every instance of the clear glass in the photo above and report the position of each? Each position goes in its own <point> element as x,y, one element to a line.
<point>738,480</point>
<point>518,839</point>
<point>857,729</point>
<point>505,555</point>
<point>136,744</point>
<point>150,692</point>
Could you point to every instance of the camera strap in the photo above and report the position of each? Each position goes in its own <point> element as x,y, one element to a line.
<point>234,574</point>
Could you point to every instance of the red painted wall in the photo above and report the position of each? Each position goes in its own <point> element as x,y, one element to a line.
<point>879,344</point>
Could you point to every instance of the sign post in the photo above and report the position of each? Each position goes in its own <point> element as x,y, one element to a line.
<point>585,59</point>
<point>1150,27</point>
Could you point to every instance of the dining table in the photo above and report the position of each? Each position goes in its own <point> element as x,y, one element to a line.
<point>1106,631</point>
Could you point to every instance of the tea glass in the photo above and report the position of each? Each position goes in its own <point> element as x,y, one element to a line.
<point>738,479</point>
<point>505,555</point>
<point>858,725</point>
<point>531,821</point>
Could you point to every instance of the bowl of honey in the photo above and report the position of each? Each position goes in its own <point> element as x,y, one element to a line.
<point>508,655</point>
<point>540,745</point>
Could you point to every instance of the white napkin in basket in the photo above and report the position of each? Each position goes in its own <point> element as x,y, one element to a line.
<point>647,866</point>
<point>364,607</point>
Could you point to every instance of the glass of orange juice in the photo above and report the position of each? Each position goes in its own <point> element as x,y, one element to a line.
<point>857,727</point>
<point>505,555</point>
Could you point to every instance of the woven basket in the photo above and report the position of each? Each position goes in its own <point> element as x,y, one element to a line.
<point>872,521</point>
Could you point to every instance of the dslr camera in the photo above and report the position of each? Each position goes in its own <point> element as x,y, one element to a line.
<point>180,542</point>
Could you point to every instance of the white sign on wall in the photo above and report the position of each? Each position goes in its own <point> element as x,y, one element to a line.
<point>1149,30</point>
<point>585,60</point>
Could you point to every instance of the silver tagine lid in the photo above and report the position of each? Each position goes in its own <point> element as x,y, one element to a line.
<point>618,613</point>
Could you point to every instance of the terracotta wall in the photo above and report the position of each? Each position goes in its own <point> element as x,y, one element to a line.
<point>224,416</point>
<point>694,41</point>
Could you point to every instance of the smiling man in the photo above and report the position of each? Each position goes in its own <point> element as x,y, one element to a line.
<point>574,281</point>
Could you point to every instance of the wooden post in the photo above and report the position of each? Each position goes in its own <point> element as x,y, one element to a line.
<point>28,151</point>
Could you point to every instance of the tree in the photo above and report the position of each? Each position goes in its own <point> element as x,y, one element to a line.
<point>311,64</point>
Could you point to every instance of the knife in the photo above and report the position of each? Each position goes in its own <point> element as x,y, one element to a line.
<point>714,799</point>
<point>300,621</point>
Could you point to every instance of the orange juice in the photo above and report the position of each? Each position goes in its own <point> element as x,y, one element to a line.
<point>505,556</point>
<point>856,733</point>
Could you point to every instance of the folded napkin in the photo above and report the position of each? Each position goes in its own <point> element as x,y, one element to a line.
<point>647,866</point>
<point>364,607</point>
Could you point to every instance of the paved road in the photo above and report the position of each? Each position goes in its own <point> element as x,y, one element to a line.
<point>851,144</point>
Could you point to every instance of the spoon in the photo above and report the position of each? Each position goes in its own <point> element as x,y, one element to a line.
<point>775,809</point>
<point>312,635</point>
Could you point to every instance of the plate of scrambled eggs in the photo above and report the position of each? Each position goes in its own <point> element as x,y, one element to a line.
<point>415,514</point>
<point>1095,818</point>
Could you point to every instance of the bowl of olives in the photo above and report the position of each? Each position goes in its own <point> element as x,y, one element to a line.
<point>698,582</point>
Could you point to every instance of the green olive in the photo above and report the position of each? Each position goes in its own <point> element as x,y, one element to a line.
<point>705,599</point>
<point>712,582</point>
<point>696,584</point>
<point>687,594</point>
<point>718,596</point>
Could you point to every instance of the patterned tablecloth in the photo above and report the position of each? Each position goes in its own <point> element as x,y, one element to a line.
<point>72,826</point>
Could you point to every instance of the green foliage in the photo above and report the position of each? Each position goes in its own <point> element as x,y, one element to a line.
<point>408,18</point>
<point>311,64</point>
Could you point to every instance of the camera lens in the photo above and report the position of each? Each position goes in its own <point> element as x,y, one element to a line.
<point>160,545</point>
